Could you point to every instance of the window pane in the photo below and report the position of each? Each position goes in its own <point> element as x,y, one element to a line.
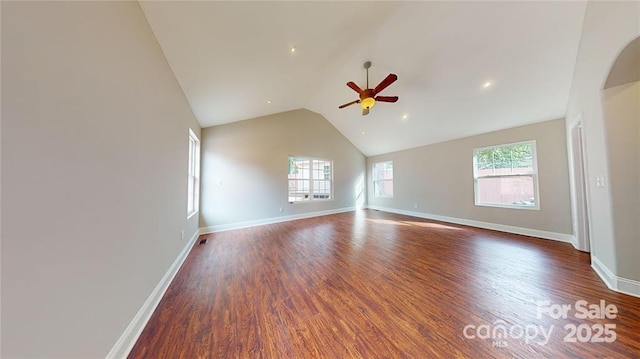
<point>323,187</point>
<point>383,188</point>
<point>190,186</point>
<point>309,179</point>
<point>508,190</point>
<point>383,179</point>
<point>377,171</point>
<point>298,190</point>
<point>193,174</point>
<point>484,161</point>
<point>388,188</point>
<point>522,159</point>
<point>515,159</point>
<point>505,175</point>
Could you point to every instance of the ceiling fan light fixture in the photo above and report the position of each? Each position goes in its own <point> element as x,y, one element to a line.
<point>368,102</point>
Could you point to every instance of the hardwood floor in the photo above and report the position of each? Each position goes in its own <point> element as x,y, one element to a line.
<point>370,284</point>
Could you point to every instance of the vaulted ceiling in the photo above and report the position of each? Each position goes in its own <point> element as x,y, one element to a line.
<point>464,68</point>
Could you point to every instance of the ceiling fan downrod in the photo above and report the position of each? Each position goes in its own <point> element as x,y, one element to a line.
<point>366,67</point>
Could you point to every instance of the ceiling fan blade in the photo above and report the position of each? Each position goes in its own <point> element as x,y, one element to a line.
<point>349,104</point>
<point>354,87</point>
<point>365,111</point>
<point>387,98</point>
<point>391,78</point>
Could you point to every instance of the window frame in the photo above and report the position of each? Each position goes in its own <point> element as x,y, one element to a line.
<point>311,180</point>
<point>374,180</point>
<point>534,175</point>
<point>193,175</point>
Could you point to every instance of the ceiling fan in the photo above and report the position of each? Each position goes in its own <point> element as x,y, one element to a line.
<point>368,96</point>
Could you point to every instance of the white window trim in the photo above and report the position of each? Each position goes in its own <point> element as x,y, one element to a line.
<point>196,188</point>
<point>373,175</point>
<point>536,190</point>
<point>311,199</point>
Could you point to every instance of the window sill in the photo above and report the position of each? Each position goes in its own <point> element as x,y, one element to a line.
<point>530,208</point>
<point>312,201</point>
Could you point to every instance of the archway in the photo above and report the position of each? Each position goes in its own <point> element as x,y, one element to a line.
<point>621,112</point>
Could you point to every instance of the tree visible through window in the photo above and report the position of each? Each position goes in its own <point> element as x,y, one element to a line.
<point>310,179</point>
<point>506,175</point>
<point>383,179</point>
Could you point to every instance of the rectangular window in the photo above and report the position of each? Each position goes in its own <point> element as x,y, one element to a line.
<point>506,176</point>
<point>310,179</point>
<point>383,179</point>
<point>193,187</point>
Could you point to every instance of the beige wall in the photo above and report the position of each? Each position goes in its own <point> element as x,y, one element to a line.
<point>244,167</point>
<point>94,180</point>
<point>608,28</point>
<point>439,179</point>
<point>622,121</point>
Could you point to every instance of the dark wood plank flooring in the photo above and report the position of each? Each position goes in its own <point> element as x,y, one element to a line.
<point>370,284</point>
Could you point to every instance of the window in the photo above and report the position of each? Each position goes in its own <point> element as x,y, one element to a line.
<point>383,179</point>
<point>506,176</point>
<point>193,188</point>
<point>310,179</point>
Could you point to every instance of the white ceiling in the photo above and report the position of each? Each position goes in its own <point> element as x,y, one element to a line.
<point>232,57</point>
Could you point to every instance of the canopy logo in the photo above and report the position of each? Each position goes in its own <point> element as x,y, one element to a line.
<point>499,332</point>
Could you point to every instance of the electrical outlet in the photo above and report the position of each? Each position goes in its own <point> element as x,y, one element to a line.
<point>181,236</point>
<point>281,209</point>
<point>415,205</point>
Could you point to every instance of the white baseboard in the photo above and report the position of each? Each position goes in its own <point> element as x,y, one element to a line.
<point>130,335</point>
<point>562,237</point>
<point>259,222</point>
<point>618,284</point>
<point>603,272</point>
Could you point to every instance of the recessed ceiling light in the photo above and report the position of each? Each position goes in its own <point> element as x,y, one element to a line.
<point>363,132</point>
<point>293,49</point>
<point>268,101</point>
<point>487,84</point>
<point>405,116</point>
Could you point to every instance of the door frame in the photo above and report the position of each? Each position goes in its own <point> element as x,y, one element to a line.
<point>579,186</point>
